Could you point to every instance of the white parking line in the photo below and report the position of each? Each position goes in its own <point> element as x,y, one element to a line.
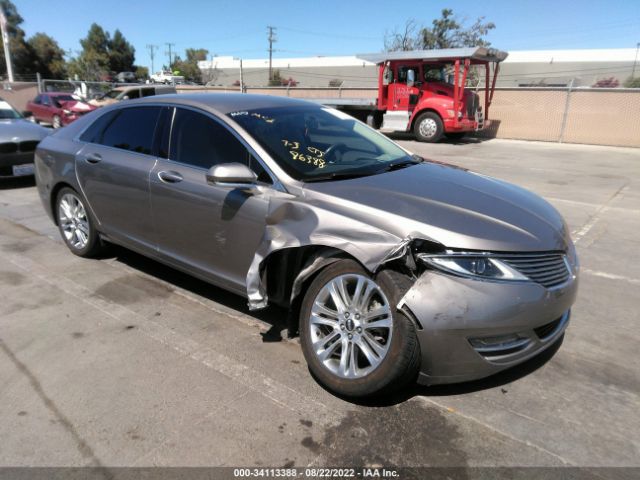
<point>611,276</point>
<point>598,214</point>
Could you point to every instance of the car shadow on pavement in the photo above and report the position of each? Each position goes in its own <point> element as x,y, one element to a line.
<point>499,380</point>
<point>11,183</point>
<point>274,316</point>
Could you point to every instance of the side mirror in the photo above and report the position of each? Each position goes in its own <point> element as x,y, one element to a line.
<point>126,97</point>
<point>233,175</point>
<point>411,77</point>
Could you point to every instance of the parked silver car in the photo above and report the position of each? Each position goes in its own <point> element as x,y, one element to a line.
<point>18,140</point>
<point>392,266</point>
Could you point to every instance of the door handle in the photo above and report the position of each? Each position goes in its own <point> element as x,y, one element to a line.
<point>93,158</point>
<point>169,177</point>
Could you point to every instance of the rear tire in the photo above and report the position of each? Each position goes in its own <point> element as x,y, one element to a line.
<point>394,350</point>
<point>428,127</point>
<point>76,226</point>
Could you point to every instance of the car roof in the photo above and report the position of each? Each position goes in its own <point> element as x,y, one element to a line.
<point>228,102</point>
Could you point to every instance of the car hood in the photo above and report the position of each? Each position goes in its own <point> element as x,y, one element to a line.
<point>449,205</point>
<point>102,102</point>
<point>19,130</point>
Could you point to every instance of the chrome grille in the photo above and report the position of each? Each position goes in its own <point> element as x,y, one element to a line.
<point>549,270</point>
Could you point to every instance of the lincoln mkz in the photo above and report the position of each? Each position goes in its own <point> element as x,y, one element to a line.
<point>393,268</point>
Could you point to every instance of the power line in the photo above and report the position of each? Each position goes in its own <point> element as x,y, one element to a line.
<point>272,39</point>
<point>152,49</point>
<point>169,45</point>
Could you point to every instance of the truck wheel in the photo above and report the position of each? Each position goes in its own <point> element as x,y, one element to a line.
<point>428,127</point>
<point>354,340</point>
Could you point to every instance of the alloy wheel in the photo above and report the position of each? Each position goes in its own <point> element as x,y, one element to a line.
<point>73,221</point>
<point>351,326</point>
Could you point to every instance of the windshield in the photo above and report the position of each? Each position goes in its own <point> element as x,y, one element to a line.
<point>113,94</point>
<point>7,111</point>
<point>314,143</point>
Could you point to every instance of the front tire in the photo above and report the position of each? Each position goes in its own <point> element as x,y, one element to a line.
<point>355,341</point>
<point>428,127</point>
<point>75,224</point>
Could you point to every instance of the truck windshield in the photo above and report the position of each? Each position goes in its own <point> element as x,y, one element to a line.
<point>314,143</point>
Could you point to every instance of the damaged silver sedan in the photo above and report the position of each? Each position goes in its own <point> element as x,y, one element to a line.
<point>392,267</point>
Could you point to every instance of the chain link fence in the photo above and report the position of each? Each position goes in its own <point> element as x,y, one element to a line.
<point>597,116</point>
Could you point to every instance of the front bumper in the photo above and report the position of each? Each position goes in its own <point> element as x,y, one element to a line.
<point>470,329</point>
<point>7,161</point>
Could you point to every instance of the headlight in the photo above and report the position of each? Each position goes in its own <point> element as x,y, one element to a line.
<point>477,266</point>
<point>66,112</point>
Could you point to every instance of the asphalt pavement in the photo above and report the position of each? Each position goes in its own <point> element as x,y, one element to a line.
<point>121,361</point>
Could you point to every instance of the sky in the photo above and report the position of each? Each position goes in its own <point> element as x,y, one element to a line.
<point>325,27</point>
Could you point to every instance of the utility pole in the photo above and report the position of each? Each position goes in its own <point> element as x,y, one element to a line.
<point>272,40</point>
<point>633,72</point>
<point>152,49</point>
<point>169,45</point>
<point>241,78</point>
<point>5,42</point>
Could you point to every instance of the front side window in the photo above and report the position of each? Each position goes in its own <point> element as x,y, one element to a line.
<point>45,100</point>
<point>148,92</point>
<point>315,143</point>
<point>132,129</point>
<point>200,141</point>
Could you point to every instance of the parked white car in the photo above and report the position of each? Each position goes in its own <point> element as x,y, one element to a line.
<point>166,77</point>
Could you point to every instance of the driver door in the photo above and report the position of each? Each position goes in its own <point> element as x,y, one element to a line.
<point>211,230</point>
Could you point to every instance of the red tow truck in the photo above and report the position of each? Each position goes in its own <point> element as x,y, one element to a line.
<point>424,91</point>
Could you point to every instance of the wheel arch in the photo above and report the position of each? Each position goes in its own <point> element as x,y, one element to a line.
<point>54,195</point>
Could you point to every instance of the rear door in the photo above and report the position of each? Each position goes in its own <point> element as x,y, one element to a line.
<point>212,230</point>
<point>113,170</point>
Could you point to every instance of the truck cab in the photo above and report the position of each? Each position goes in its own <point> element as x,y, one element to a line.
<point>425,91</point>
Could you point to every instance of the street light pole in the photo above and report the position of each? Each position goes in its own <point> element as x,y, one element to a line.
<point>5,42</point>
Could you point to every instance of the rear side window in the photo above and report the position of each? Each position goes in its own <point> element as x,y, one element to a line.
<point>93,134</point>
<point>148,92</point>
<point>132,129</point>
<point>199,141</point>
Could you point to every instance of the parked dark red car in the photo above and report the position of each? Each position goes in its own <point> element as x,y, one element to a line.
<point>58,108</point>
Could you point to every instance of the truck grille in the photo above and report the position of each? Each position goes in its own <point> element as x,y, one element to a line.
<point>549,270</point>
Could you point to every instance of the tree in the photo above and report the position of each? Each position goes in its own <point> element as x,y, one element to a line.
<point>121,53</point>
<point>49,57</point>
<point>632,82</point>
<point>445,32</point>
<point>93,63</point>
<point>141,72</point>
<point>189,67</point>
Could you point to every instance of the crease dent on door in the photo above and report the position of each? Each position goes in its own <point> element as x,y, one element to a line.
<point>290,223</point>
